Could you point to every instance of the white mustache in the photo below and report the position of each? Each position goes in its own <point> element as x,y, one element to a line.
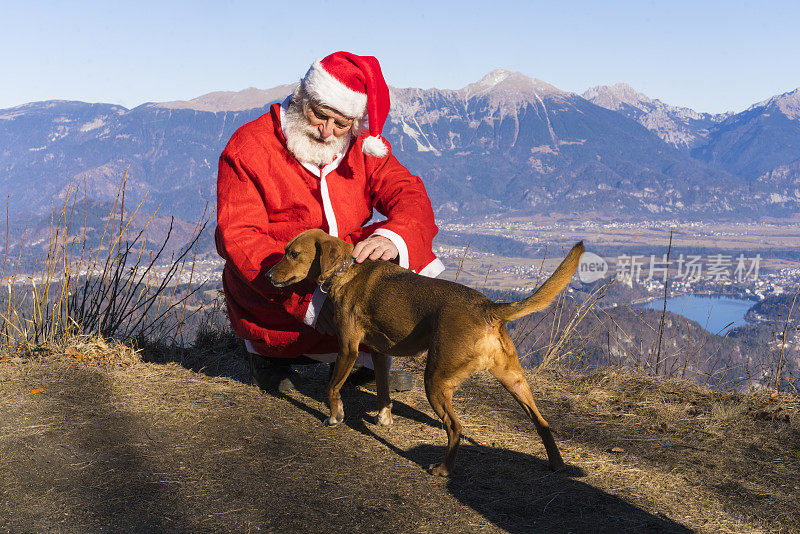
<point>314,133</point>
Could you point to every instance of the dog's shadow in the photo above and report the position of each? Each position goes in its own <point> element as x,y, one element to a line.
<point>513,490</point>
<point>516,492</point>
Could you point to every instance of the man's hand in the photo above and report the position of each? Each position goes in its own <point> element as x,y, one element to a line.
<point>324,324</point>
<point>375,247</point>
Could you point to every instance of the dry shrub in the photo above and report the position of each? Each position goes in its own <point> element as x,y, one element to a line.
<point>121,290</point>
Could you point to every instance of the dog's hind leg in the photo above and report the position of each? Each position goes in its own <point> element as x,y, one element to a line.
<point>509,373</point>
<point>441,402</point>
<point>344,364</point>
<point>439,390</point>
<point>381,363</point>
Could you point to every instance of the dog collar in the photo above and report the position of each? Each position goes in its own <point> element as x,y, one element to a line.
<point>325,286</point>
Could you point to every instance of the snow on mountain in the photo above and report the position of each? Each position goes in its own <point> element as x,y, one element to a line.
<point>469,119</point>
<point>681,127</point>
<point>503,83</point>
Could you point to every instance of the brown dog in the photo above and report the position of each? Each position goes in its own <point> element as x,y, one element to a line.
<point>400,313</point>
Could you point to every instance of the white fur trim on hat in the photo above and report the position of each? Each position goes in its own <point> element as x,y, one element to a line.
<point>322,86</point>
<point>374,146</point>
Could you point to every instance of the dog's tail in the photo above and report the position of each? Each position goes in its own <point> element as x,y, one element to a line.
<point>541,299</point>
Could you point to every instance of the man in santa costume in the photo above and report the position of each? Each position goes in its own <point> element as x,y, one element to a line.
<point>315,161</point>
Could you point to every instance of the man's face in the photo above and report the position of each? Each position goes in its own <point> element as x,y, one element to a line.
<point>328,121</point>
<point>315,133</point>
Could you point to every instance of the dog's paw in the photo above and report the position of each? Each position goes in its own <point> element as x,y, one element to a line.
<point>557,465</point>
<point>333,421</point>
<point>384,417</point>
<point>438,470</point>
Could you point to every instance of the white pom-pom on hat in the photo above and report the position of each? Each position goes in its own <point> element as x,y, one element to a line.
<point>374,146</point>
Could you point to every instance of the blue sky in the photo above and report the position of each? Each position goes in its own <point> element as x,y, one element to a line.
<point>711,56</point>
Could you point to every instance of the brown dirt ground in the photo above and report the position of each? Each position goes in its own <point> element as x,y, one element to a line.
<point>143,447</point>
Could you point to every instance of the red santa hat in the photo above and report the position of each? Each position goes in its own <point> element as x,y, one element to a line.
<point>354,86</point>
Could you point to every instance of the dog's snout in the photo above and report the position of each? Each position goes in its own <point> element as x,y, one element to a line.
<point>277,283</point>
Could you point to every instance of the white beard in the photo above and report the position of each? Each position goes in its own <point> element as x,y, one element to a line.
<point>304,141</point>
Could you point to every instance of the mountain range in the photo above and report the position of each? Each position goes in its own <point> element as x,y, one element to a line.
<point>681,127</point>
<point>504,144</point>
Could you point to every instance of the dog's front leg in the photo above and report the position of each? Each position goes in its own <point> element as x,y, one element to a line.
<point>344,364</point>
<point>381,363</point>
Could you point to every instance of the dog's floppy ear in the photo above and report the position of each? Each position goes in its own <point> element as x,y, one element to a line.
<point>331,255</point>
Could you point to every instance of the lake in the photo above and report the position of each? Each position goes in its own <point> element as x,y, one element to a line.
<point>713,313</point>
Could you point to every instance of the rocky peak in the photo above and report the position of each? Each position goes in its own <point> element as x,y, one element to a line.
<point>505,81</point>
<point>682,127</point>
<point>786,103</point>
<point>614,96</point>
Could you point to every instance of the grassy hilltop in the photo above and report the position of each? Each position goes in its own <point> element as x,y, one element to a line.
<point>92,438</point>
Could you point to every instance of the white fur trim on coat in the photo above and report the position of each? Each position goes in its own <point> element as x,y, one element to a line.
<point>374,146</point>
<point>321,86</point>
<point>433,269</point>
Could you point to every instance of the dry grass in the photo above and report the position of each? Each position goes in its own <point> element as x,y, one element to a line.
<point>93,444</point>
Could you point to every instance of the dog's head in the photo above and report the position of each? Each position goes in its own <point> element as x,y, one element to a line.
<point>311,254</point>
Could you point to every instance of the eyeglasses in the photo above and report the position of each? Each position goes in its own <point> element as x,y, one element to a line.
<point>339,122</point>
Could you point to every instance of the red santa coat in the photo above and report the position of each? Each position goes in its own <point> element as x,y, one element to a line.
<point>265,197</point>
